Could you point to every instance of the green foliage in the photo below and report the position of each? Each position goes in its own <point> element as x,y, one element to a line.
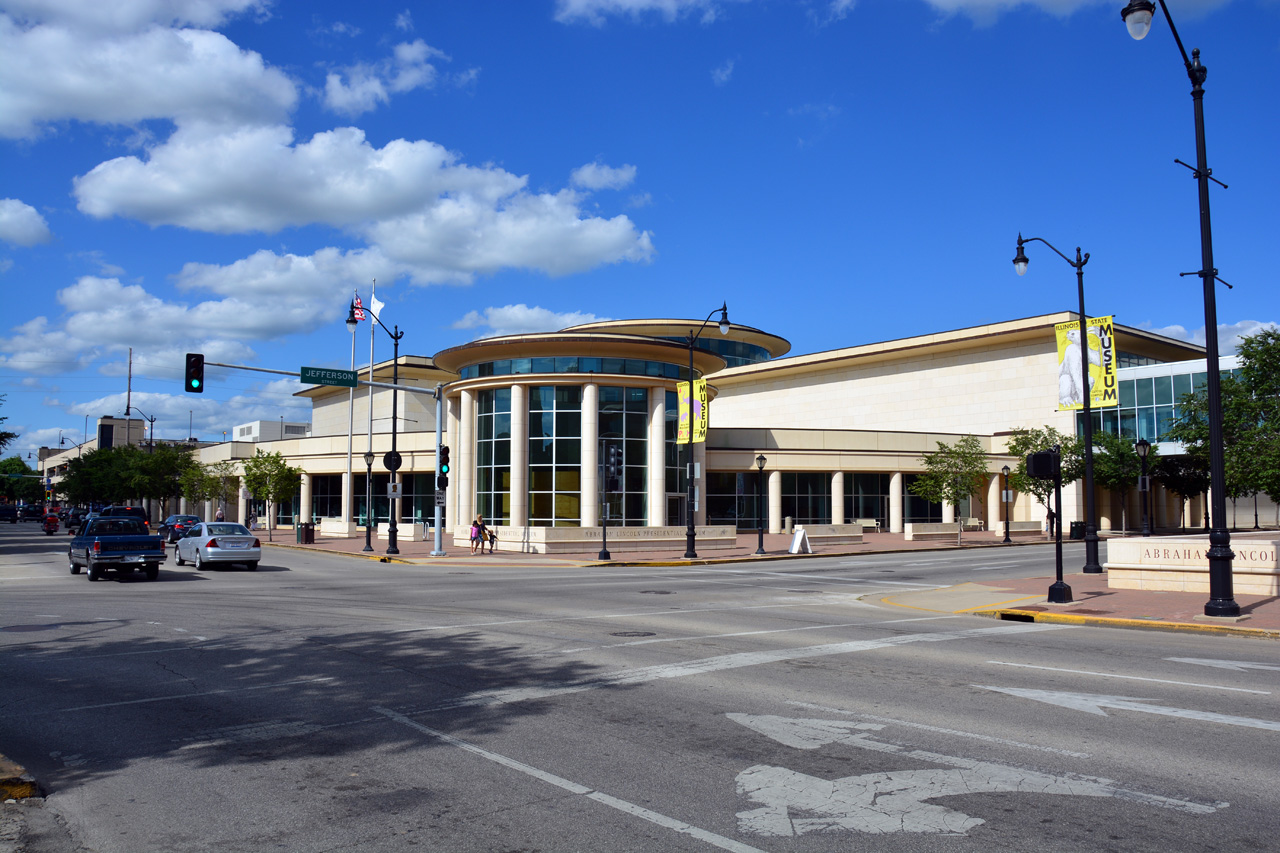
<point>953,473</point>
<point>1116,466</point>
<point>119,474</point>
<point>1035,440</point>
<point>6,437</point>
<point>269,476</point>
<point>27,488</point>
<point>1185,476</point>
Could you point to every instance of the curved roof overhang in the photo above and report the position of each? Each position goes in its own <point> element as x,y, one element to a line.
<point>772,344</point>
<point>551,344</point>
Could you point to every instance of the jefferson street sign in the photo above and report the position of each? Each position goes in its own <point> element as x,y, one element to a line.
<point>327,376</point>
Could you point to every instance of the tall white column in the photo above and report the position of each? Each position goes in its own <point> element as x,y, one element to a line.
<point>589,473</point>
<point>775,501</point>
<point>452,518</point>
<point>948,512</point>
<point>700,463</point>
<point>657,462</point>
<point>519,456</point>
<point>837,498</point>
<point>347,481</point>
<point>242,505</point>
<point>304,501</point>
<point>465,453</point>
<point>995,508</point>
<point>895,502</point>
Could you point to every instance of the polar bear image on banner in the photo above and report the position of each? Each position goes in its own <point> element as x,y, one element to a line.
<point>1070,388</point>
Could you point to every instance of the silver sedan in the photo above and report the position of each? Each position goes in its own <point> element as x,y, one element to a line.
<point>218,542</point>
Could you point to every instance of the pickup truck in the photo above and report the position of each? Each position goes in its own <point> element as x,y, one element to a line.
<point>116,543</point>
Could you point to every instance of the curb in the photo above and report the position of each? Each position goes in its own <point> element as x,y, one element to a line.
<point>1017,615</point>
<point>15,782</point>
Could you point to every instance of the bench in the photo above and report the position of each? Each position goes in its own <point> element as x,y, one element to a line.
<point>868,524</point>
<point>930,530</point>
<point>832,534</point>
<point>973,524</point>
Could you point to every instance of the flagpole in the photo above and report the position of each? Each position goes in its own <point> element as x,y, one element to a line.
<point>368,478</point>
<point>349,488</point>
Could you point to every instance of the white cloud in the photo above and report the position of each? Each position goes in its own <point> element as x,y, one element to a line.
<point>521,320</point>
<point>594,12</point>
<point>723,74</point>
<point>597,176</point>
<point>52,73</point>
<point>21,224</point>
<point>1229,334</point>
<point>131,15</point>
<point>404,21</point>
<point>367,86</point>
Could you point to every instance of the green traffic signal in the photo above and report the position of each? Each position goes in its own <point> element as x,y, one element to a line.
<point>195,373</point>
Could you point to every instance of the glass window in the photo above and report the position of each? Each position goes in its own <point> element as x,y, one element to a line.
<point>867,496</point>
<point>555,453</point>
<point>1147,424</point>
<point>493,456</point>
<point>622,422</point>
<point>1163,390</point>
<point>1127,394</point>
<point>1144,392</point>
<point>1165,417</point>
<point>1181,386</point>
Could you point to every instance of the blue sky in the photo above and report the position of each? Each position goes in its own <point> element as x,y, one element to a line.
<point>218,176</point>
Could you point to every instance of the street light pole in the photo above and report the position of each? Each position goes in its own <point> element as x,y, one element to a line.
<point>1091,564</point>
<point>690,553</point>
<point>1142,447</point>
<point>1004,498</point>
<point>760,462</point>
<point>368,498</point>
<point>392,459</point>
<point>1137,17</point>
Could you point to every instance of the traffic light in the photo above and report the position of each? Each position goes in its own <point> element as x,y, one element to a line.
<point>612,467</point>
<point>442,469</point>
<point>195,373</point>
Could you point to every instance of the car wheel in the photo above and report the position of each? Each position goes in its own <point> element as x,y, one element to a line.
<point>72,564</point>
<point>177,558</point>
<point>199,563</point>
<point>153,571</point>
<point>95,573</point>
<point>253,566</point>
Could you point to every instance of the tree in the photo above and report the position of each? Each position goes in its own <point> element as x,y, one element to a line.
<point>1117,467</point>
<point>216,481</point>
<point>6,437</point>
<point>1185,476</point>
<point>953,474</point>
<point>25,487</point>
<point>1248,438</point>
<point>268,476</point>
<point>1034,440</point>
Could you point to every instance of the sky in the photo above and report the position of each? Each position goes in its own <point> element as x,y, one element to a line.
<point>221,176</point>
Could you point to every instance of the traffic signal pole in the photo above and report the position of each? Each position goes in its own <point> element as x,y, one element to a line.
<point>438,520</point>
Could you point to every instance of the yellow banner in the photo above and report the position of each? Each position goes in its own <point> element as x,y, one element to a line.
<point>1101,355</point>
<point>695,418</point>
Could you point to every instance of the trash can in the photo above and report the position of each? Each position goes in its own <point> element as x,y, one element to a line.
<point>306,533</point>
<point>1077,530</point>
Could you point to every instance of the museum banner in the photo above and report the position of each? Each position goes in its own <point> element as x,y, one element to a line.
<point>1101,355</point>
<point>692,418</point>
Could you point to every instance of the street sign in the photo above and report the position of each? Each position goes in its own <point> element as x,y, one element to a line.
<point>439,497</point>
<point>391,461</point>
<point>327,376</point>
<point>393,491</point>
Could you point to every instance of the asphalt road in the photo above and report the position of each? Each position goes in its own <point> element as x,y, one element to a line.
<point>325,703</point>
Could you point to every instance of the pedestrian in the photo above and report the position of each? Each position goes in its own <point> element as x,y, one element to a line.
<point>476,526</point>
<point>493,538</point>
<point>219,515</point>
<point>253,521</point>
<point>1052,517</point>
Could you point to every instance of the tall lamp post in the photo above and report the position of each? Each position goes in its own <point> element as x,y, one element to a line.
<point>1142,447</point>
<point>1004,495</point>
<point>392,459</point>
<point>690,535</point>
<point>368,498</point>
<point>1137,18</point>
<point>760,463</point>
<point>1091,564</point>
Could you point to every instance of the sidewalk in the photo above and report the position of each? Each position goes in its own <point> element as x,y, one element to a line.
<point>1023,599</point>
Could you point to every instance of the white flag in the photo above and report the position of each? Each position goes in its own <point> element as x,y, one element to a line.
<point>375,306</point>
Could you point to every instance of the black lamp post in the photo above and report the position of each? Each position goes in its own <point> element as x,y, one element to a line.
<point>1059,591</point>
<point>392,459</point>
<point>690,535</point>
<point>368,499</point>
<point>760,462</point>
<point>1142,447</point>
<point>1004,496</point>
<point>1137,17</point>
<point>1091,564</point>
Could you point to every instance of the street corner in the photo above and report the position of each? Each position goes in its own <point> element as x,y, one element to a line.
<point>15,782</point>
<point>969,598</point>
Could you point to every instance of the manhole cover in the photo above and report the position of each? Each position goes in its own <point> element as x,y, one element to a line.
<point>655,592</point>
<point>633,634</point>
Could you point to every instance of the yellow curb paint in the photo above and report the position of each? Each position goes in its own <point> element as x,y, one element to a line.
<point>1024,598</point>
<point>1148,624</point>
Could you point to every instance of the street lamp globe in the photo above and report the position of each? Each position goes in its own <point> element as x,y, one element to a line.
<point>1137,18</point>
<point>368,458</point>
<point>1020,260</point>
<point>724,318</point>
<point>352,322</point>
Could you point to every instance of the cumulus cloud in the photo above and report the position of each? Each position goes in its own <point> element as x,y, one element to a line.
<point>360,88</point>
<point>404,21</point>
<point>521,320</point>
<point>1229,334</point>
<point>130,15</point>
<point>595,12</point>
<point>597,176</point>
<point>53,73</point>
<point>21,224</point>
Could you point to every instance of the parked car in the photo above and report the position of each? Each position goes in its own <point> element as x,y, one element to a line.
<point>9,513</point>
<point>119,543</point>
<point>176,525</point>
<point>218,542</point>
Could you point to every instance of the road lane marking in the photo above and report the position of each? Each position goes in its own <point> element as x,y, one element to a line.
<point>1093,704</point>
<point>193,695</point>
<point>1237,665</point>
<point>574,788</point>
<point>895,801</point>
<point>1130,677</point>
<point>939,730</point>
<point>720,663</point>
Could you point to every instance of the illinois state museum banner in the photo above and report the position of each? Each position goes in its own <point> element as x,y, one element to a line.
<point>1102,364</point>
<point>692,419</point>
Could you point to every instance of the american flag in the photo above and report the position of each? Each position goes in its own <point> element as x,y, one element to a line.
<point>359,308</point>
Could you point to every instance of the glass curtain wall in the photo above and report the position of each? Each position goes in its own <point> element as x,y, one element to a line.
<point>806,497</point>
<point>326,496</point>
<point>493,455</point>
<point>623,422</point>
<point>867,496</point>
<point>555,455</point>
<point>917,510</point>
<point>731,499</point>
<point>381,506</point>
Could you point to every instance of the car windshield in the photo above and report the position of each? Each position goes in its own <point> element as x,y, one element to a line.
<point>117,527</point>
<point>183,520</point>
<point>226,529</point>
